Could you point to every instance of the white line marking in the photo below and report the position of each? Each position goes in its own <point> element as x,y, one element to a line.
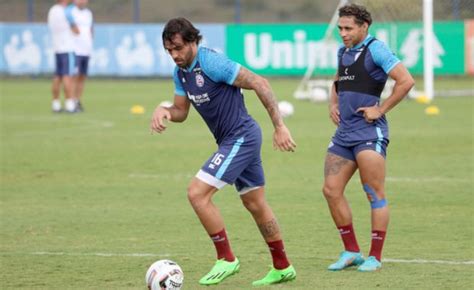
<point>428,179</point>
<point>159,176</point>
<point>385,260</point>
<point>77,125</point>
<point>418,261</point>
<point>97,254</point>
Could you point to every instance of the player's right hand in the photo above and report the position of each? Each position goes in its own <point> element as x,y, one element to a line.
<point>158,119</point>
<point>282,139</point>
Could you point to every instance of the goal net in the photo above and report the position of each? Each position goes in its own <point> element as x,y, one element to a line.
<point>402,26</point>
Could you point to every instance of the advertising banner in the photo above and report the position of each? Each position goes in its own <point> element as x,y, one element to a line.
<point>119,50</point>
<point>291,49</point>
<point>268,49</point>
<point>469,25</point>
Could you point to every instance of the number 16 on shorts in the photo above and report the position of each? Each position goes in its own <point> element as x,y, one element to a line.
<point>216,160</point>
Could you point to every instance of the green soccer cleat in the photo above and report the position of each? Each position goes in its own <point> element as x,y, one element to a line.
<point>221,270</point>
<point>370,265</point>
<point>347,259</point>
<point>277,276</point>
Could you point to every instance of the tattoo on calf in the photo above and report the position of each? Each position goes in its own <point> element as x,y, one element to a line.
<point>333,164</point>
<point>269,228</point>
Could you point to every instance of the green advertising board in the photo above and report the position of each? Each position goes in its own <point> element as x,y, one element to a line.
<point>288,49</point>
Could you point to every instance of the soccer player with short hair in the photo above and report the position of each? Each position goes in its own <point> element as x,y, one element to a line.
<point>62,27</point>
<point>213,84</point>
<point>361,138</point>
<point>83,46</point>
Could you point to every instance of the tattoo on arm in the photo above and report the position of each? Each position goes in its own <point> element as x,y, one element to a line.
<point>248,80</point>
<point>245,79</point>
<point>269,228</point>
<point>333,164</point>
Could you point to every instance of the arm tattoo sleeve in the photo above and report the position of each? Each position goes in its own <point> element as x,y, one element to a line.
<point>248,80</point>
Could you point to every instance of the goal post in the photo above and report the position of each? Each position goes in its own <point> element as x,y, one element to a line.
<point>318,89</point>
<point>428,69</point>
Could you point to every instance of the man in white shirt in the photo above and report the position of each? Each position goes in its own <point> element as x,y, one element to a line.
<point>82,45</point>
<point>62,28</point>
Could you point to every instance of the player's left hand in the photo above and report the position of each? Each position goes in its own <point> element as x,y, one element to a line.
<point>371,114</point>
<point>282,139</point>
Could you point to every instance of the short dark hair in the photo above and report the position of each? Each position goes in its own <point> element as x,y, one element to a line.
<point>359,12</point>
<point>182,26</point>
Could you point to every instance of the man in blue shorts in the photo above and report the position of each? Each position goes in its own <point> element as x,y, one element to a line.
<point>83,46</point>
<point>63,27</point>
<point>213,84</point>
<point>361,137</point>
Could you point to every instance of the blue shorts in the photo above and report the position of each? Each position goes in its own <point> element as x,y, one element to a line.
<point>349,144</point>
<point>237,161</point>
<point>64,64</point>
<point>82,64</point>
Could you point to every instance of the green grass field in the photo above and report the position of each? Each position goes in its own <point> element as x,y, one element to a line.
<point>89,201</point>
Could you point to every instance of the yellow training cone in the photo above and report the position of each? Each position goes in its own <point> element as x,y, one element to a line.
<point>137,109</point>
<point>422,99</point>
<point>432,110</point>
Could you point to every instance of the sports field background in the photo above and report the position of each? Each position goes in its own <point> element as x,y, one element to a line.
<point>89,201</point>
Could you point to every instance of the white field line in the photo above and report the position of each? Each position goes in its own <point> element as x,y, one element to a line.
<point>420,261</point>
<point>427,179</point>
<point>159,176</point>
<point>97,254</point>
<point>389,178</point>
<point>80,125</point>
<point>386,260</point>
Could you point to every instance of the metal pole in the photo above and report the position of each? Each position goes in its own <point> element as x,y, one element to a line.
<point>238,9</point>
<point>428,48</point>
<point>30,11</point>
<point>456,11</point>
<point>136,11</point>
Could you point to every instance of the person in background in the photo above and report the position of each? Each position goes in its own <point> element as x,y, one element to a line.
<point>83,46</point>
<point>62,28</point>
<point>361,138</point>
<point>214,85</point>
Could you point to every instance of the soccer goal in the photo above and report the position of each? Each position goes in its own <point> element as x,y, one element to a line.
<point>406,26</point>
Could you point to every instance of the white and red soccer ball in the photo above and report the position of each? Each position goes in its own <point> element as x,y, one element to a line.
<point>164,275</point>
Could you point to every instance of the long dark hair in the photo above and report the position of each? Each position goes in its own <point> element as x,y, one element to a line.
<point>181,25</point>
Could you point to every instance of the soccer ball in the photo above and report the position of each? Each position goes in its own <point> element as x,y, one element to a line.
<point>286,109</point>
<point>164,275</point>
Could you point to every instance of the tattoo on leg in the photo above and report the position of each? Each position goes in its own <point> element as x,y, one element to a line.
<point>269,228</point>
<point>333,164</point>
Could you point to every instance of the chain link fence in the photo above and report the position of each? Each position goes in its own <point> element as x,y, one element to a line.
<point>228,11</point>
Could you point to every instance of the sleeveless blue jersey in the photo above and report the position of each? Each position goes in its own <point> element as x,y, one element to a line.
<point>207,84</point>
<point>377,63</point>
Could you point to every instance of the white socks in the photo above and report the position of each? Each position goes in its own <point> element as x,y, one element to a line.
<point>70,105</point>
<point>56,105</point>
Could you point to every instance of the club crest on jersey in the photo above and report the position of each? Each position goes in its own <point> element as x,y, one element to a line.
<point>199,80</point>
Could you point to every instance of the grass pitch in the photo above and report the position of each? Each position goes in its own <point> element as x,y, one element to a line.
<point>89,201</point>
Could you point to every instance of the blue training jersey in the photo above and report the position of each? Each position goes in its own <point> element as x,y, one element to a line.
<point>207,84</point>
<point>378,62</point>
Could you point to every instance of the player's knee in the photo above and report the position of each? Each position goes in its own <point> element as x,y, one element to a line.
<point>195,197</point>
<point>253,205</point>
<point>330,193</point>
<point>376,200</point>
